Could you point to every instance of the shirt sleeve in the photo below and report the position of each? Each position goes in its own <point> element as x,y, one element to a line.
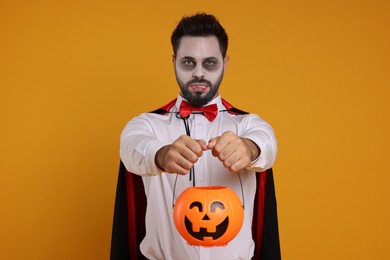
<point>262,134</point>
<point>138,147</point>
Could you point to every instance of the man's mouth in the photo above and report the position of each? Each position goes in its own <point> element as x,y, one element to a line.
<point>198,88</point>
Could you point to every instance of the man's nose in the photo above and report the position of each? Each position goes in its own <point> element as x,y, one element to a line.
<point>198,72</point>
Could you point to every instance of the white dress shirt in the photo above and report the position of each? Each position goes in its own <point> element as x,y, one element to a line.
<point>144,135</point>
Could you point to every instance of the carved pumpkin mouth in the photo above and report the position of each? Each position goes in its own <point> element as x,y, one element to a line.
<point>203,233</point>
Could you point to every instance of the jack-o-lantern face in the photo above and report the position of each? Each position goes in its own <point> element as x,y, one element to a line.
<point>208,216</point>
<point>201,223</point>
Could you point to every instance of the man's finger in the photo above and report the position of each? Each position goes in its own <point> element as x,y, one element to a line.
<point>202,144</point>
<point>218,145</point>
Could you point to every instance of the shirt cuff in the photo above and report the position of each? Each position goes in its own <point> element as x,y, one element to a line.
<point>150,155</point>
<point>265,160</point>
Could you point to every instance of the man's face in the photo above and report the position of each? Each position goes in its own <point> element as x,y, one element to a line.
<point>199,68</point>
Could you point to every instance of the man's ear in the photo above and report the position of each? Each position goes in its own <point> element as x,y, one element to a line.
<point>226,62</point>
<point>173,59</point>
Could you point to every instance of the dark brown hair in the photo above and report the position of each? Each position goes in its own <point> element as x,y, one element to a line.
<point>200,24</point>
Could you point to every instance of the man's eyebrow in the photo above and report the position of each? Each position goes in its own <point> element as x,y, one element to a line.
<point>192,58</point>
<point>210,58</point>
<point>188,58</point>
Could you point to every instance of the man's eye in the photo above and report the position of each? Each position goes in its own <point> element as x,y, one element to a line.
<point>209,63</point>
<point>188,63</point>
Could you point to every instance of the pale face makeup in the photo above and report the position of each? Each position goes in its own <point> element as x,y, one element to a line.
<point>199,68</point>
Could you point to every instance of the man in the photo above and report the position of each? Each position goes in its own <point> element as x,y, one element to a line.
<point>180,140</point>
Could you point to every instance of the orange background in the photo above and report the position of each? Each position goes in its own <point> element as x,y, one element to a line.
<point>72,73</point>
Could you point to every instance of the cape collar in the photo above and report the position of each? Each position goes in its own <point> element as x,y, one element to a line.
<point>222,105</point>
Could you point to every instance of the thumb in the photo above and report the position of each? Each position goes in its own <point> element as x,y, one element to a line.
<point>212,143</point>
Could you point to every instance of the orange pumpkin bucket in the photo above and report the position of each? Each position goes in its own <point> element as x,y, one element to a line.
<point>208,216</point>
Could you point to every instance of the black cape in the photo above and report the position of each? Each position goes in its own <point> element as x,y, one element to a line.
<point>130,206</point>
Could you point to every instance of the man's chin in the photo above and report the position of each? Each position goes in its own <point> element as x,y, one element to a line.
<point>200,95</point>
<point>198,99</point>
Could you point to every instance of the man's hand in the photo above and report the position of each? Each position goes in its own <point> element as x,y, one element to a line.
<point>181,155</point>
<point>235,152</point>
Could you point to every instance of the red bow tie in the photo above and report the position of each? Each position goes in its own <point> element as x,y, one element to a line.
<point>210,111</point>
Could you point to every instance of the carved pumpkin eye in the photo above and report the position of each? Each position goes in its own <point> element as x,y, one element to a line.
<point>216,204</point>
<point>197,204</point>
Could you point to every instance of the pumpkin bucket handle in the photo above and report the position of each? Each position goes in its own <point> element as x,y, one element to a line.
<point>192,170</point>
